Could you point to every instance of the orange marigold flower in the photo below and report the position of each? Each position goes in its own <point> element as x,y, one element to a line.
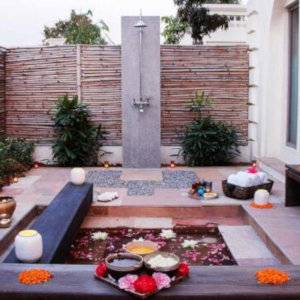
<point>271,276</point>
<point>34,276</point>
<point>268,205</point>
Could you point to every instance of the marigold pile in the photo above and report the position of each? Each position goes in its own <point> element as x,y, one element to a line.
<point>34,276</point>
<point>268,205</point>
<point>271,276</point>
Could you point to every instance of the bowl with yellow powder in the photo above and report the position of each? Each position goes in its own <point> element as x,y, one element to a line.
<point>141,247</point>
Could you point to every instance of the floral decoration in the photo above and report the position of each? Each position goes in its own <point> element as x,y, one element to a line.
<point>34,276</point>
<point>189,244</point>
<point>101,270</point>
<point>127,282</point>
<point>99,235</point>
<point>162,280</point>
<point>183,269</point>
<point>168,234</point>
<point>145,284</point>
<point>272,276</point>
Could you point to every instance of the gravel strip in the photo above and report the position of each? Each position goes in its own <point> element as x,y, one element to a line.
<point>172,179</point>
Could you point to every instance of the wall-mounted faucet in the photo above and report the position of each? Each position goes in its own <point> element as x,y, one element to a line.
<point>142,102</point>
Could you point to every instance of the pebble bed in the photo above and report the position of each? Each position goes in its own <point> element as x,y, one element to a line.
<point>172,179</point>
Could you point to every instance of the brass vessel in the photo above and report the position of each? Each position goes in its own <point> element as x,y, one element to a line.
<point>7,206</point>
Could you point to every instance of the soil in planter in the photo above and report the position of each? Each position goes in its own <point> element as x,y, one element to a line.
<point>211,249</point>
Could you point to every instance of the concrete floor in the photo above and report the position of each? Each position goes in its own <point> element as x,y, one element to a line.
<point>277,229</point>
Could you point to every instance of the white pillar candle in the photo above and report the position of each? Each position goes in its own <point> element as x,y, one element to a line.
<point>77,176</point>
<point>261,197</point>
<point>28,246</point>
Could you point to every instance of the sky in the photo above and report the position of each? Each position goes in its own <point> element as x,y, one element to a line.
<point>22,21</point>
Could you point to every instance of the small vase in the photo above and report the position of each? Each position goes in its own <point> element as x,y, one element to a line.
<point>7,206</point>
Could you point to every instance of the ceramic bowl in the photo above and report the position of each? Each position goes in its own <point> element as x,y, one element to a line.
<point>162,269</point>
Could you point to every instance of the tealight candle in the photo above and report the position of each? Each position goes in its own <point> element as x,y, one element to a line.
<point>172,164</point>
<point>15,179</point>
<point>106,164</point>
<point>77,176</point>
<point>36,165</point>
<point>28,246</point>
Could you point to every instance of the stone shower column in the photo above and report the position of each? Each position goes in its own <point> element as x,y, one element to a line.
<point>141,130</point>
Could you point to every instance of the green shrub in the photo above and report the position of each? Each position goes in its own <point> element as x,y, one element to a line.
<point>207,142</point>
<point>15,158</point>
<point>77,140</point>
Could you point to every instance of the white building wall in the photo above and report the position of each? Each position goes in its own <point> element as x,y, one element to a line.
<point>268,38</point>
<point>235,34</point>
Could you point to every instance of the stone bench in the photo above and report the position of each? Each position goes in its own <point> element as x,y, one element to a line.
<point>60,221</point>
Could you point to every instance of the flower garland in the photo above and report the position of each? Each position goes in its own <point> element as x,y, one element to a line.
<point>263,206</point>
<point>35,276</point>
<point>272,276</point>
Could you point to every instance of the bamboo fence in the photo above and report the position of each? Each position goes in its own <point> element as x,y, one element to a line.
<point>36,77</point>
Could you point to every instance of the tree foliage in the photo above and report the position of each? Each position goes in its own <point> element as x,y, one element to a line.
<point>174,30</point>
<point>79,29</point>
<point>194,18</point>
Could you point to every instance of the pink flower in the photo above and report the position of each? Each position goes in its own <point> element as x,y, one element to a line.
<point>162,280</point>
<point>126,282</point>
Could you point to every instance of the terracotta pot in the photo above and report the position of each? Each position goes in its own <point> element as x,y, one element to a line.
<point>7,206</point>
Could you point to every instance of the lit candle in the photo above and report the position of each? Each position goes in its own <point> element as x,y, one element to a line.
<point>36,165</point>
<point>106,164</point>
<point>15,179</point>
<point>28,246</point>
<point>172,164</point>
<point>77,176</point>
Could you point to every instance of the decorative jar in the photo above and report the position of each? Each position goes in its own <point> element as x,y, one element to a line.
<point>28,246</point>
<point>7,206</point>
<point>77,176</point>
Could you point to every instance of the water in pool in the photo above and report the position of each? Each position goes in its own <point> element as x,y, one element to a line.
<point>209,248</point>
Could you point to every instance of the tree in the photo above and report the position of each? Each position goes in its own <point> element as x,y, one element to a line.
<point>79,29</point>
<point>174,30</point>
<point>192,17</point>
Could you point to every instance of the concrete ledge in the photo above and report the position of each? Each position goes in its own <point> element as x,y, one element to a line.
<point>77,282</point>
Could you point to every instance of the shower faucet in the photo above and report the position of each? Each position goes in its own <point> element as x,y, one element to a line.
<point>141,104</point>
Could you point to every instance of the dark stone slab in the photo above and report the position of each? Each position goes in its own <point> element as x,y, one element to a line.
<point>77,282</point>
<point>292,185</point>
<point>60,221</point>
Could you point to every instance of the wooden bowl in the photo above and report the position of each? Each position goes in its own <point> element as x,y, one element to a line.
<point>140,244</point>
<point>162,269</point>
<point>122,270</point>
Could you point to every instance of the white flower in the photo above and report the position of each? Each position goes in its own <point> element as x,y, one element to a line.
<point>99,235</point>
<point>168,234</point>
<point>139,240</point>
<point>189,244</point>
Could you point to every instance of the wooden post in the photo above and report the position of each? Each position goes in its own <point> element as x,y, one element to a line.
<point>78,72</point>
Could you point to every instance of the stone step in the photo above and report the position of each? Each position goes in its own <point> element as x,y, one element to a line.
<point>246,247</point>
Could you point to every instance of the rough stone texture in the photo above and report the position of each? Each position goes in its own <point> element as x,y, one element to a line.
<point>171,180</point>
<point>141,131</point>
